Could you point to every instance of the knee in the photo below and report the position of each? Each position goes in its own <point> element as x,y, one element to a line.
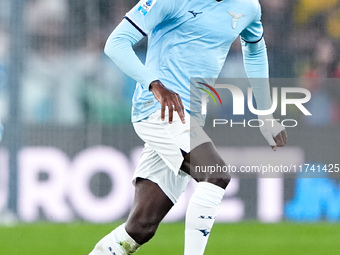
<point>142,229</point>
<point>221,181</point>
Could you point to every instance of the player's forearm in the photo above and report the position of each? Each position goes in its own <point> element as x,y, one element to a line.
<point>256,65</point>
<point>119,48</point>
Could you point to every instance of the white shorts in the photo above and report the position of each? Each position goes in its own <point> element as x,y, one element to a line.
<point>162,154</point>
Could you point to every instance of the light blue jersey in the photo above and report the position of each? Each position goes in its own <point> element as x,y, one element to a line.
<point>189,39</point>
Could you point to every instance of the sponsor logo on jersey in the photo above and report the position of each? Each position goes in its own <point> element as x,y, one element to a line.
<point>195,13</point>
<point>146,6</point>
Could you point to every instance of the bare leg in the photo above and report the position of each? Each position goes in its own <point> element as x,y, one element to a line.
<point>205,155</point>
<point>149,208</point>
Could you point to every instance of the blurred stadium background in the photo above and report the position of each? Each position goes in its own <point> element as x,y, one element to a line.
<point>69,149</point>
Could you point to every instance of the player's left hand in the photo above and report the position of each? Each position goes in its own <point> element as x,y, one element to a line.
<point>273,132</point>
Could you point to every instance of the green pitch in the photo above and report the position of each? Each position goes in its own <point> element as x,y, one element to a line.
<point>242,238</point>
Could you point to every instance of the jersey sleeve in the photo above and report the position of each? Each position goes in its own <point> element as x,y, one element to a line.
<point>119,48</point>
<point>254,32</point>
<point>147,14</point>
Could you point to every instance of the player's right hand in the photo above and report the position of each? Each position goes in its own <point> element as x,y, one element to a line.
<point>169,99</point>
<point>273,132</point>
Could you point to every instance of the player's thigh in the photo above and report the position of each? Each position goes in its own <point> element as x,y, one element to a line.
<point>204,163</point>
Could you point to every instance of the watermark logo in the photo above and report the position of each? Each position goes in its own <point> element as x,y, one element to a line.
<point>239,100</point>
<point>204,97</point>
